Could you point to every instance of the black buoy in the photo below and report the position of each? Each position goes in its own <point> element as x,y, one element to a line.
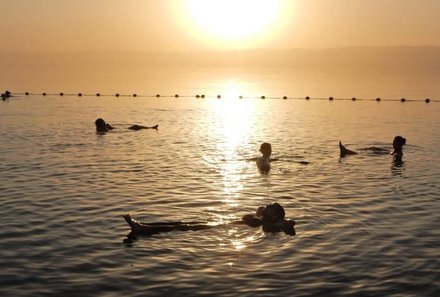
<point>117,94</point>
<point>240,97</point>
<point>307,98</point>
<point>79,94</point>
<point>427,100</point>
<point>157,95</point>
<point>177,95</point>
<point>61,94</point>
<point>218,96</point>
<point>27,93</point>
<point>197,96</point>
<point>134,95</point>
<point>284,97</point>
<point>378,99</point>
<point>202,96</point>
<point>98,94</point>
<point>263,97</point>
<point>353,99</point>
<point>330,98</point>
<point>402,100</point>
<point>44,94</point>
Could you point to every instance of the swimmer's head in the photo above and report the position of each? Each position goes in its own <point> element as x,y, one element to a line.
<point>101,126</point>
<point>273,213</point>
<point>398,142</point>
<point>266,149</point>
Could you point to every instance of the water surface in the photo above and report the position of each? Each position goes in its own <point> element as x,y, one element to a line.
<point>365,226</point>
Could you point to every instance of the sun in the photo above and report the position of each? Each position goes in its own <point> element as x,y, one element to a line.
<point>232,20</point>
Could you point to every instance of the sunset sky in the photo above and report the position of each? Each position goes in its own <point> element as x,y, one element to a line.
<point>187,25</point>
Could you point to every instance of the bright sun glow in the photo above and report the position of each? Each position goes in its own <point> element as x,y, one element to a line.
<point>233,20</point>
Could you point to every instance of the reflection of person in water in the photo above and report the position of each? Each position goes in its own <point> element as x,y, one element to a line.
<point>397,153</point>
<point>271,217</point>
<point>102,126</point>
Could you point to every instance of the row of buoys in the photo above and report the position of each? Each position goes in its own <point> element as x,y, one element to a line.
<point>8,94</point>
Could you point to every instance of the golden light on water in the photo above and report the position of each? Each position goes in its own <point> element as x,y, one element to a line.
<point>236,117</point>
<point>234,121</point>
<point>240,243</point>
<point>231,21</point>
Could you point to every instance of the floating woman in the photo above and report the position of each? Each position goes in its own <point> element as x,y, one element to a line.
<point>397,152</point>
<point>271,217</point>
<point>102,126</point>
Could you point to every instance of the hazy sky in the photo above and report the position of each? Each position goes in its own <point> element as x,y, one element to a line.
<point>182,25</point>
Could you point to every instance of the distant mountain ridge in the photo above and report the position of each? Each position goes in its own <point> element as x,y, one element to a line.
<point>405,57</point>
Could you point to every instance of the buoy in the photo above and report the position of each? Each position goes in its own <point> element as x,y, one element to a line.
<point>117,94</point>
<point>61,94</point>
<point>307,98</point>
<point>330,98</point>
<point>98,94</point>
<point>427,100</point>
<point>240,97</point>
<point>197,96</point>
<point>27,93</point>
<point>157,95</point>
<point>284,97</point>
<point>79,94</point>
<point>377,99</point>
<point>177,95</point>
<point>353,99</point>
<point>134,95</point>
<point>44,94</point>
<point>218,96</point>
<point>402,100</point>
<point>202,96</point>
<point>263,97</point>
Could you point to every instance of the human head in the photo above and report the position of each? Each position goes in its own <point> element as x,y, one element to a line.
<point>273,213</point>
<point>101,126</point>
<point>398,143</point>
<point>266,149</point>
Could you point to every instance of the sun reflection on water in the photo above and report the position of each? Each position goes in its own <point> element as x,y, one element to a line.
<point>239,243</point>
<point>234,119</point>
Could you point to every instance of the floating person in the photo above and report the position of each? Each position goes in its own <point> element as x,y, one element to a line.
<point>397,152</point>
<point>6,95</point>
<point>102,126</point>
<point>271,217</point>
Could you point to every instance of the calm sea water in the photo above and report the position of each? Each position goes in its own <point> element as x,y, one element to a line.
<point>365,226</point>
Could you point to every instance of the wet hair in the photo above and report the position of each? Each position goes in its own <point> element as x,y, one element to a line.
<point>101,125</point>
<point>265,146</point>
<point>399,140</point>
<point>273,213</point>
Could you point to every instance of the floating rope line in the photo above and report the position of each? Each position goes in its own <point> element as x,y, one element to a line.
<point>202,96</point>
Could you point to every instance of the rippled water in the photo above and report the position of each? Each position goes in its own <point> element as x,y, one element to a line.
<point>365,226</point>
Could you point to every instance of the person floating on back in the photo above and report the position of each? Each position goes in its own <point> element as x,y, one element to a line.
<point>397,152</point>
<point>102,126</point>
<point>270,217</point>
<point>6,95</point>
